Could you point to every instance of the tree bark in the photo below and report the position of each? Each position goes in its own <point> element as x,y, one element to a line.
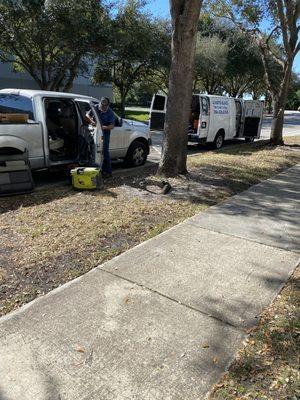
<point>277,122</point>
<point>185,16</point>
<point>122,105</point>
<point>72,74</point>
<point>288,16</point>
<point>279,102</point>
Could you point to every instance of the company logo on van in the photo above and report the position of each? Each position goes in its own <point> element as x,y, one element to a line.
<point>220,106</point>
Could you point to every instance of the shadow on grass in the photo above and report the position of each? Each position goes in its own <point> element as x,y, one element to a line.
<point>199,186</point>
<point>54,186</point>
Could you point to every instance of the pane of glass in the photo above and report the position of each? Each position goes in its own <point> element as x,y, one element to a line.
<point>238,107</point>
<point>159,103</point>
<point>16,104</point>
<point>204,105</point>
<point>84,109</point>
<point>195,105</point>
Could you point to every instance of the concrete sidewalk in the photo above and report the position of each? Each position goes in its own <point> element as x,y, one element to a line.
<point>163,320</point>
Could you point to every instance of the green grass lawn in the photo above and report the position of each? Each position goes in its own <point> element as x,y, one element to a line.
<point>141,116</point>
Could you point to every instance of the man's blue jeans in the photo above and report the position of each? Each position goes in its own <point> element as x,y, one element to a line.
<point>106,163</point>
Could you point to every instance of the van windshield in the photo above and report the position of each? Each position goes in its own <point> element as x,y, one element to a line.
<point>16,104</point>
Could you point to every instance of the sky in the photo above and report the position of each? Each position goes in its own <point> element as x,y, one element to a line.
<point>160,8</point>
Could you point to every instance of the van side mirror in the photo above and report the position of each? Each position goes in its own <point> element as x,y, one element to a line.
<point>120,121</point>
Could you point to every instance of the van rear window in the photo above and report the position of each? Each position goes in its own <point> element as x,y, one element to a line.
<point>204,105</point>
<point>16,104</point>
<point>159,103</point>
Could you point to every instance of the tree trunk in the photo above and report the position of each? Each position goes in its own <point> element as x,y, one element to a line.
<point>123,98</point>
<point>72,74</point>
<point>268,102</point>
<point>185,16</point>
<point>69,84</point>
<point>277,122</point>
<point>269,106</point>
<point>279,102</point>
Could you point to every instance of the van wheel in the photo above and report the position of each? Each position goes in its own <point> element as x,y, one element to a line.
<point>249,139</point>
<point>136,154</point>
<point>219,140</point>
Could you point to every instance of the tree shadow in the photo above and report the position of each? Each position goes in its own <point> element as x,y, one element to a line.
<point>242,307</point>
<point>51,387</point>
<point>274,201</point>
<point>51,186</point>
<point>248,366</point>
<point>280,345</point>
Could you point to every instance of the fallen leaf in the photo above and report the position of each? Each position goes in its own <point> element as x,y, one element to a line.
<point>219,385</point>
<point>216,360</point>
<point>205,345</point>
<point>251,329</point>
<point>80,349</point>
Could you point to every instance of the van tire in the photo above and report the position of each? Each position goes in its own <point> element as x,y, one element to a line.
<point>249,139</point>
<point>136,154</point>
<point>219,140</point>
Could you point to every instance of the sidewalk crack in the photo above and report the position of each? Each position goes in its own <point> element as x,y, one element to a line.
<point>244,238</point>
<point>220,320</point>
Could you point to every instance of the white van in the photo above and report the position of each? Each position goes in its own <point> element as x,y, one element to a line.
<point>214,119</point>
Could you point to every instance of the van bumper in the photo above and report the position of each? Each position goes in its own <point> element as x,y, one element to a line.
<point>195,138</point>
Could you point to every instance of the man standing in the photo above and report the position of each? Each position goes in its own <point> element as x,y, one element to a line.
<point>107,119</point>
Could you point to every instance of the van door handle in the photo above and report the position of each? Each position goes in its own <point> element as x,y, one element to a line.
<point>128,129</point>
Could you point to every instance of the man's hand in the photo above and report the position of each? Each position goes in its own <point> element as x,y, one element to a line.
<point>90,121</point>
<point>107,127</point>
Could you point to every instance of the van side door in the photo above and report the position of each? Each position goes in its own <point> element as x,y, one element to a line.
<point>158,111</point>
<point>238,116</point>
<point>252,118</point>
<point>204,117</point>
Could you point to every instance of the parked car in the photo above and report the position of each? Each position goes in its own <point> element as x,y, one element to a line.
<point>48,125</point>
<point>214,119</point>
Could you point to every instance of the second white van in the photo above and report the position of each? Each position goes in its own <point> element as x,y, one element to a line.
<point>214,119</point>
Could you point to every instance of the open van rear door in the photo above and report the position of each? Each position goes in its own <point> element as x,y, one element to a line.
<point>158,112</point>
<point>252,118</point>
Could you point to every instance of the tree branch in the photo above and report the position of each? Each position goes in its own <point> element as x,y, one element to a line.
<point>297,49</point>
<point>284,28</point>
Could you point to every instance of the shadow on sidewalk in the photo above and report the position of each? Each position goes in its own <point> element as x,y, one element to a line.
<point>49,386</point>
